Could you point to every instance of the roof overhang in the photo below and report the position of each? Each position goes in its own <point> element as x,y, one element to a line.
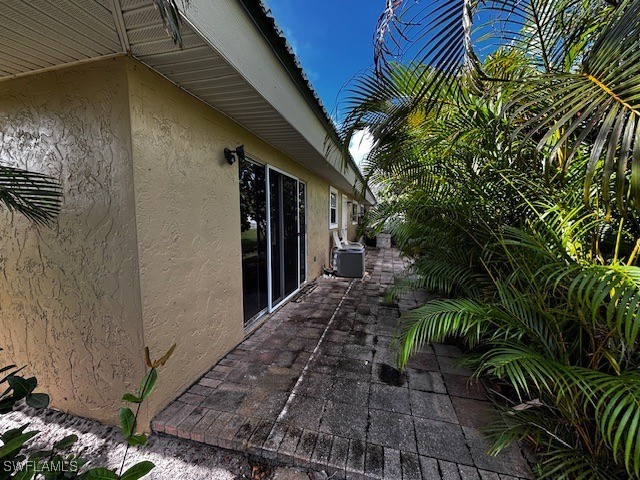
<point>233,58</point>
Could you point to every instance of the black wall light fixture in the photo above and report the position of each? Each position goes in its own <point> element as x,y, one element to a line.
<point>230,155</point>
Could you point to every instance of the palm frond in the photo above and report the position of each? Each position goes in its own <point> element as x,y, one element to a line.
<point>171,19</point>
<point>609,291</point>
<point>36,196</point>
<point>601,101</point>
<point>618,415</point>
<point>437,320</point>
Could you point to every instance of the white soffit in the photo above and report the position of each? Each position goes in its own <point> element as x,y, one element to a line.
<point>38,34</point>
<point>225,62</point>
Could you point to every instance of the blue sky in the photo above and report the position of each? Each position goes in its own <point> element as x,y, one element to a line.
<point>331,38</point>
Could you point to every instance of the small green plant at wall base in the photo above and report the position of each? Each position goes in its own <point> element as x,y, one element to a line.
<point>59,463</point>
<point>19,388</point>
<point>129,423</point>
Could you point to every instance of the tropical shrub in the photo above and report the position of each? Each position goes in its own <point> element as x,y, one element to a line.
<point>558,330</point>
<point>485,165</point>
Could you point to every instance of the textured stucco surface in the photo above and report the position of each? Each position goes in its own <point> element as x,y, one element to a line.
<point>69,295</point>
<point>146,251</point>
<point>188,218</point>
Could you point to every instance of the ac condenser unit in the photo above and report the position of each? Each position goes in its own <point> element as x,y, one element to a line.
<point>349,263</point>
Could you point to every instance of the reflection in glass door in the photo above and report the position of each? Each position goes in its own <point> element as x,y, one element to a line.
<point>253,231</point>
<point>302,227</point>
<point>273,234</point>
<point>284,243</point>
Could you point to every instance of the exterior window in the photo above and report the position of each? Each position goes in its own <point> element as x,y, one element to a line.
<point>354,213</point>
<point>333,208</point>
<point>362,212</point>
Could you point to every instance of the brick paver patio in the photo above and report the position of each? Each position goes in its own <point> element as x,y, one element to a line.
<point>315,387</point>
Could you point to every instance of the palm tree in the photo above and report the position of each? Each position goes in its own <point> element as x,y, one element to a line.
<point>583,89</point>
<point>485,164</point>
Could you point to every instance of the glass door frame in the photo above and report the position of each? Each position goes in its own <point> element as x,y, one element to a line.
<point>273,306</point>
<point>305,239</point>
<point>248,325</point>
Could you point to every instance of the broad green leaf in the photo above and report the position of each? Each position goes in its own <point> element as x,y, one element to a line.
<point>137,439</point>
<point>148,383</point>
<point>138,470</point>
<point>7,405</point>
<point>100,473</point>
<point>12,433</point>
<point>22,386</point>
<point>16,443</point>
<point>66,442</point>
<point>37,400</point>
<point>127,422</point>
<point>129,397</point>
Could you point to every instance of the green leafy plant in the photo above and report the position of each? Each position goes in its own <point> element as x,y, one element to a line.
<point>14,441</point>
<point>19,462</point>
<point>485,168</point>
<point>19,388</point>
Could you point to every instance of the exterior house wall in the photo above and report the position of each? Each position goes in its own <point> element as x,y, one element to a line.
<point>188,215</point>
<point>146,250</point>
<point>227,26</point>
<point>69,295</point>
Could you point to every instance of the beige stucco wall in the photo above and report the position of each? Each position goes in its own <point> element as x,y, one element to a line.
<point>69,295</point>
<point>188,215</point>
<point>146,251</point>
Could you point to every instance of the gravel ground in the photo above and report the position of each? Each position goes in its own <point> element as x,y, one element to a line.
<point>174,458</point>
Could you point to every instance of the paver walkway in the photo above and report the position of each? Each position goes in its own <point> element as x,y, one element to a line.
<point>315,387</point>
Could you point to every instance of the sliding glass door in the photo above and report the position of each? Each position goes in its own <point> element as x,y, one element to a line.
<point>302,226</point>
<point>253,236</point>
<point>273,232</point>
<point>283,217</point>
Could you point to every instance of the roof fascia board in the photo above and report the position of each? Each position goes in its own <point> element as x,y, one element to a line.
<point>257,11</point>
<point>226,26</point>
<point>231,30</point>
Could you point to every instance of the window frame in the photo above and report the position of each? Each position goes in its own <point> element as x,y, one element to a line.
<point>334,192</point>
